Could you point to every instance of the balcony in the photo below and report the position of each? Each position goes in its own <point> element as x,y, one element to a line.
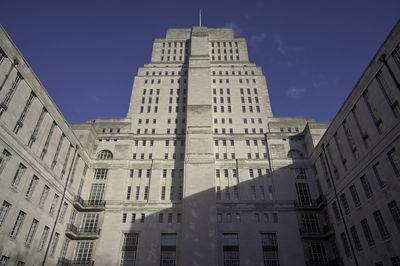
<point>66,262</point>
<point>317,204</point>
<point>89,205</point>
<point>75,233</point>
<point>326,232</point>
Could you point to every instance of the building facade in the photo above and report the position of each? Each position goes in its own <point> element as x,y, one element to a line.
<point>200,172</point>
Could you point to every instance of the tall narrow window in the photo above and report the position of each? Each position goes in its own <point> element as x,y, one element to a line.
<point>366,186</point>
<point>17,225</point>
<point>54,244</point>
<point>394,161</point>
<point>129,249</point>
<point>367,232</point>
<point>53,204</point>
<point>21,118</point>
<point>5,156</point>
<point>388,93</point>
<point>356,239</point>
<point>32,186</point>
<point>18,175</point>
<point>345,204</point>
<point>230,245</point>
<point>379,175</point>
<point>146,193</point>
<point>128,193</point>
<point>46,144</point>
<point>345,243</point>
<point>137,193</point>
<point>96,194</point>
<point>10,93</point>
<point>4,211</point>
<point>393,208</point>
<point>303,194</point>
<point>43,238</point>
<point>354,195</point>
<point>253,192</point>
<point>373,112</point>
<point>168,249</point>
<point>62,213</point>
<point>381,225</point>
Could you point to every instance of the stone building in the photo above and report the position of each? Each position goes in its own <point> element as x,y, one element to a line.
<point>200,172</point>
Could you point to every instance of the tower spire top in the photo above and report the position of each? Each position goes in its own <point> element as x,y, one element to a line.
<point>200,17</point>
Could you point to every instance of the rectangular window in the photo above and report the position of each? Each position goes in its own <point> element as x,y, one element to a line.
<point>129,249</point>
<point>168,249</point>
<point>379,175</point>
<point>366,186</point>
<point>218,193</point>
<point>346,246</point>
<point>317,253</point>
<point>356,239</point>
<point>54,244</point>
<point>230,245</point>
<point>17,225</point>
<point>44,195</point>
<point>43,238</point>
<point>172,193</point>
<point>32,187</point>
<point>100,173</point>
<point>96,194</point>
<point>18,175</point>
<point>394,161</point>
<point>393,208</point>
<point>128,194</point>
<point>4,211</point>
<point>354,195</point>
<point>253,193</point>
<point>53,204</point>
<point>63,211</point>
<point>31,233</point>
<point>4,158</point>
<point>345,204</point>
<point>381,225</point>
<point>163,193</point>
<point>83,253</point>
<point>367,232</point>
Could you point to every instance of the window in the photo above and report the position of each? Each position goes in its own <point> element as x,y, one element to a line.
<point>381,225</point>
<point>335,211</point>
<point>218,193</point>
<point>317,253</point>
<point>43,238</point>
<point>17,177</point>
<point>124,217</point>
<point>354,195</point>
<point>4,211</point>
<point>393,208</point>
<point>168,249</point>
<point>32,187</point>
<point>299,173</point>
<point>253,192</point>
<point>367,232</point>
<point>230,246</point>
<point>54,244</point>
<point>356,239</point>
<point>128,194</point>
<point>96,194</point>
<point>133,218</point>
<point>100,173</point>
<point>83,253</point>
<point>146,193</point>
<point>129,249</point>
<point>394,161</point>
<point>31,232</point>
<point>366,187</point>
<point>345,204</point>
<point>17,225</point>
<point>142,217</point>
<point>105,155</point>
<point>63,211</point>
<point>171,193</point>
<point>53,204</point>
<point>303,194</point>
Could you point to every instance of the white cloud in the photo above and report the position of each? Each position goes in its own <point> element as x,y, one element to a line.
<point>294,92</point>
<point>257,38</point>
<point>237,30</point>
<point>280,45</point>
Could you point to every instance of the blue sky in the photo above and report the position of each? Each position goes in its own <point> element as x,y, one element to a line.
<point>86,53</point>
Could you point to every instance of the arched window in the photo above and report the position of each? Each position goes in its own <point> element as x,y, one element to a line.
<point>105,155</point>
<point>295,154</point>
